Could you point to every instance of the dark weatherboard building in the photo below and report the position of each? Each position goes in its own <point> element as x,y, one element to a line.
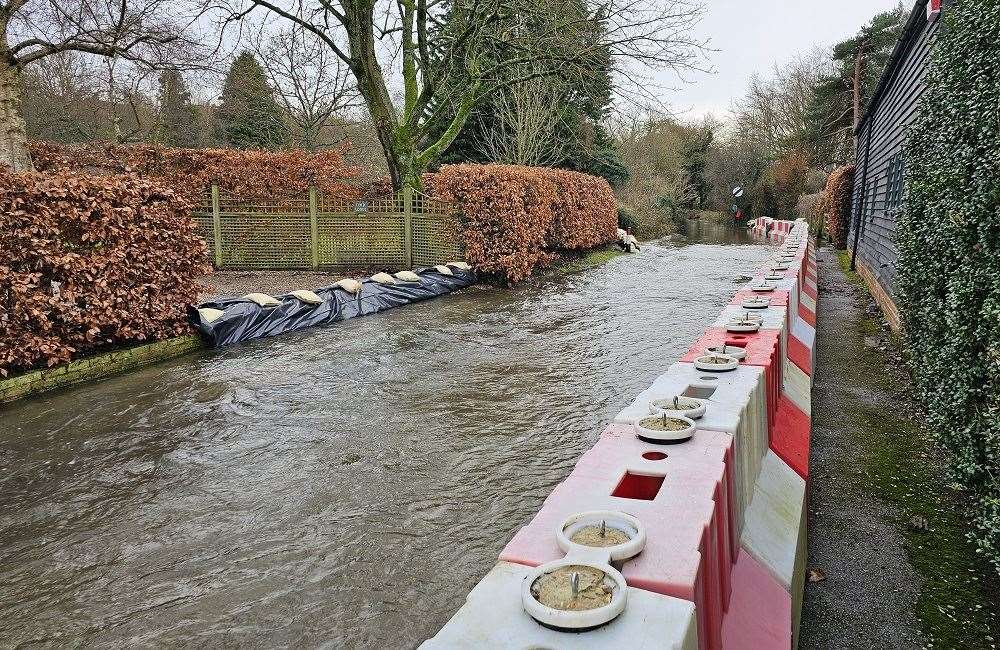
<point>878,179</point>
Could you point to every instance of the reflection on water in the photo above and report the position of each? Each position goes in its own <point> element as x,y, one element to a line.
<point>341,487</point>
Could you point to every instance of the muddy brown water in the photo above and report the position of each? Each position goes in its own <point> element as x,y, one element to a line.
<point>340,487</point>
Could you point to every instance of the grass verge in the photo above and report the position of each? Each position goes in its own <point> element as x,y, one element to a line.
<point>574,263</point>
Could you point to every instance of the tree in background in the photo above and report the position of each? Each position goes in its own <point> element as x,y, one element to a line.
<point>769,149</point>
<point>74,97</point>
<point>178,122</point>
<point>573,132</point>
<point>840,97</point>
<point>312,84</point>
<point>523,126</point>
<point>248,116</point>
<point>422,42</point>
<point>146,31</point>
<point>669,170</point>
<point>696,142</point>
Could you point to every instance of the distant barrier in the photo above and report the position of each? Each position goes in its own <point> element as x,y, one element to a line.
<point>316,231</point>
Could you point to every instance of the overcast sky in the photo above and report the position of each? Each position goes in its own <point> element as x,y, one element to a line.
<point>752,35</point>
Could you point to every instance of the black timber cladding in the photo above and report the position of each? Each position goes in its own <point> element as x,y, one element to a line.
<point>881,138</point>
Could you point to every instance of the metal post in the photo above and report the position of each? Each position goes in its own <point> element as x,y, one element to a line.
<point>408,227</point>
<point>314,226</point>
<point>216,226</point>
<point>859,216</point>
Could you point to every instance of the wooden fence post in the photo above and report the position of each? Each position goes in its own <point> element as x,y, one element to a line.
<point>216,226</point>
<point>314,226</point>
<point>408,227</point>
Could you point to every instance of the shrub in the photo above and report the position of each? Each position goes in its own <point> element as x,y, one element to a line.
<point>949,253</point>
<point>836,204</point>
<point>123,250</point>
<point>517,218</point>
<point>808,207</point>
<point>585,213</point>
<point>507,214</point>
<point>248,174</point>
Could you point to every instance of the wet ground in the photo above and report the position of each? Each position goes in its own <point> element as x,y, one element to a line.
<point>887,530</point>
<point>340,487</point>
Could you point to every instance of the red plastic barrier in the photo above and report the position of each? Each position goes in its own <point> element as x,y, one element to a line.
<point>800,355</point>
<point>760,613</point>
<point>619,444</point>
<point>790,437</point>
<point>683,556</point>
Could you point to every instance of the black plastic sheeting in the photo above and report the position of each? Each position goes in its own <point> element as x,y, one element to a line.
<point>245,320</point>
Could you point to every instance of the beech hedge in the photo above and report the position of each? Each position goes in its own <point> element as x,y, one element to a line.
<point>836,204</point>
<point>949,254</point>
<point>248,174</point>
<point>91,262</point>
<point>517,219</point>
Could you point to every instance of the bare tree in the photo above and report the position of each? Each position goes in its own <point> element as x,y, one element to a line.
<point>314,85</point>
<point>147,31</point>
<point>422,41</point>
<point>523,128</point>
<point>774,114</point>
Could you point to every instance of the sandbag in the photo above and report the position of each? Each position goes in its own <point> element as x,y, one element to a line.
<point>242,320</point>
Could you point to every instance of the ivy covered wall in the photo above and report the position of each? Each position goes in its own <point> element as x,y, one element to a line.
<point>949,245</point>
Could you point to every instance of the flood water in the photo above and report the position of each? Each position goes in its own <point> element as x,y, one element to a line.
<point>340,487</point>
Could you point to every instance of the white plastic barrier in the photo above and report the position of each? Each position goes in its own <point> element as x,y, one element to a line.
<point>737,405</point>
<point>493,617</point>
<point>775,530</point>
<point>798,387</point>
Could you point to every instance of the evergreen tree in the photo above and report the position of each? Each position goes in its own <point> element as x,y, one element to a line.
<point>249,116</point>
<point>179,121</point>
<point>840,98</point>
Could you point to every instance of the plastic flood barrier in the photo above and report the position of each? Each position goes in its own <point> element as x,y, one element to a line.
<point>243,319</point>
<point>710,465</point>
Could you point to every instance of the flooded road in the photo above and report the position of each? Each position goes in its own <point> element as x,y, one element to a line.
<point>340,487</point>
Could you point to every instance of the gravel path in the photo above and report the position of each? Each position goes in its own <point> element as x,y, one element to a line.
<point>866,600</point>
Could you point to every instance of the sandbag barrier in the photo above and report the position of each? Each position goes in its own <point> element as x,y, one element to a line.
<point>721,512</point>
<point>242,319</point>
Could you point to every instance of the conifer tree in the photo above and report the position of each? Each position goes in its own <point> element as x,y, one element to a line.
<point>249,116</point>
<point>178,123</point>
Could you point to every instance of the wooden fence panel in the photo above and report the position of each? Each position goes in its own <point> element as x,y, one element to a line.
<point>318,232</point>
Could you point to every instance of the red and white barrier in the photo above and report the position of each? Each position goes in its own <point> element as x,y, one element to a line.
<point>723,513</point>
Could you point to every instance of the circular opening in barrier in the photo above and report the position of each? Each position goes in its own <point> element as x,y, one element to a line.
<point>709,378</point>
<point>739,337</point>
<point>573,588</point>
<point>689,407</point>
<point>620,534</point>
<point>654,455</point>
<point>574,595</point>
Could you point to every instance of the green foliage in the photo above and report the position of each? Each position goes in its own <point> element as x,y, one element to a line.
<point>178,122</point>
<point>949,244</point>
<point>695,146</point>
<point>249,116</point>
<point>831,111</point>
<point>585,87</point>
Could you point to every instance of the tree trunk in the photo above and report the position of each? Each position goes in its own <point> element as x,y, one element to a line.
<point>858,66</point>
<point>13,132</point>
